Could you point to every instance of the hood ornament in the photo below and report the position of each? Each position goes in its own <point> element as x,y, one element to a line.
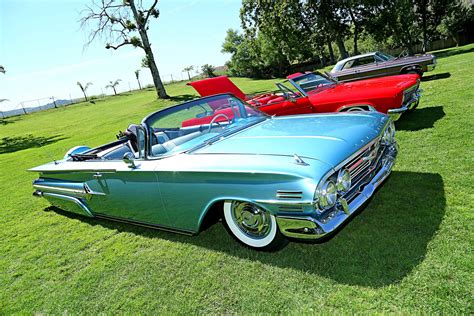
<point>299,160</point>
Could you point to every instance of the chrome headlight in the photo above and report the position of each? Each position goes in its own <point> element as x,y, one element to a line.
<point>389,134</point>
<point>343,183</point>
<point>327,195</point>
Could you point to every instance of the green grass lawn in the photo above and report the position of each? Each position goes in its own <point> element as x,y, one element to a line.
<point>409,250</point>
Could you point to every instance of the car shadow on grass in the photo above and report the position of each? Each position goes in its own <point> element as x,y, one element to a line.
<point>381,245</point>
<point>443,75</point>
<point>420,119</point>
<point>14,144</point>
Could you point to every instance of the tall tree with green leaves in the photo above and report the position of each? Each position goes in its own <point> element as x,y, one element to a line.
<point>208,70</point>
<point>124,23</point>
<point>84,88</point>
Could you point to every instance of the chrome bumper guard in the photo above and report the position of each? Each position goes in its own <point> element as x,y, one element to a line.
<point>410,104</point>
<point>311,228</point>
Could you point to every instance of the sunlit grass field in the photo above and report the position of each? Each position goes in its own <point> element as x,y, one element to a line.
<point>409,250</point>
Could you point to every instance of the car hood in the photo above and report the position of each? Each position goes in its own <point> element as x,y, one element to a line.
<point>329,138</point>
<point>370,88</point>
<point>216,85</point>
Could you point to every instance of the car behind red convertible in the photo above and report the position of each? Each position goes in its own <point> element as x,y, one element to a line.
<point>317,93</point>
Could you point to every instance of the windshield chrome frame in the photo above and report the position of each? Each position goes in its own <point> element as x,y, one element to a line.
<point>152,116</point>
<point>297,86</point>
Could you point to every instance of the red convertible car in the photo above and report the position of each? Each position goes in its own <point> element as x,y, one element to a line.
<point>316,93</point>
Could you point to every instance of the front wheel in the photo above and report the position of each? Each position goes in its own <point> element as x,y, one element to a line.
<point>252,226</point>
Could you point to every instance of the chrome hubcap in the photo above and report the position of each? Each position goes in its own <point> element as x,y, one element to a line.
<point>251,220</point>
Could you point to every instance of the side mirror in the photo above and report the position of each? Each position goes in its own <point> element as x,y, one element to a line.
<point>129,159</point>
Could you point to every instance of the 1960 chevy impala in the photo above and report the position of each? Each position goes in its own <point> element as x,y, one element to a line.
<point>270,178</point>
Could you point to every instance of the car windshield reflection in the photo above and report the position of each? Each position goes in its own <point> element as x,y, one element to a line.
<point>200,122</point>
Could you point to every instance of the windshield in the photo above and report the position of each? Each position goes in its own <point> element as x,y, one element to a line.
<point>383,56</point>
<point>198,122</point>
<point>311,82</point>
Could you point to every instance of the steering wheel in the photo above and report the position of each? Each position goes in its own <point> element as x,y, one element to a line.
<point>214,118</point>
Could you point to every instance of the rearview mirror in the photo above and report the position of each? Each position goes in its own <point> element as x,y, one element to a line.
<point>129,159</point>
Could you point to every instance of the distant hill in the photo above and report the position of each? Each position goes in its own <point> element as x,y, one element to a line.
<point>20,111</point>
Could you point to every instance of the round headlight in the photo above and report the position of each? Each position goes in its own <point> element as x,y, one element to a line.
<point>343,181</point>
<point>327,195</point>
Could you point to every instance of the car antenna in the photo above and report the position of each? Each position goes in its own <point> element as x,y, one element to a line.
<point>50,156</point>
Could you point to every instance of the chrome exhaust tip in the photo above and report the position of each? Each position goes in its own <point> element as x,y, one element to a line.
<point>38,193</point>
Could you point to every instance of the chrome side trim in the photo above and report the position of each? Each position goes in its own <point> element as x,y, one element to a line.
<point>283,202</point>
<point>59,190</point>
<point>282,194</point>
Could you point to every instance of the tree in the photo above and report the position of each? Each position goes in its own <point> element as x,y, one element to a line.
<point>2,69</point>
<point>119,23</point>
<point>208,70</point>
<point>188,69</point>
<point>84,88</point>
<point>113,84</point>
<point>137,75</point>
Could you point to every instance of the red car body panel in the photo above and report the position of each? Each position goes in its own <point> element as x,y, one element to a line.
<point>382,93</point>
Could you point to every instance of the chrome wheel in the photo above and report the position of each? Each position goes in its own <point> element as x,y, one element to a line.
<point>252,225</point>
<point>251,220</point>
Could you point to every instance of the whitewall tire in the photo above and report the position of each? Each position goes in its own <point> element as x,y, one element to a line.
<point>252,226</point>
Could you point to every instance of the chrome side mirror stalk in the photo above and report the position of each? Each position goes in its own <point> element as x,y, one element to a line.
<point>129,159</point>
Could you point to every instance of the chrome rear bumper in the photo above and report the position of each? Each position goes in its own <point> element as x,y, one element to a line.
<point>311,228</point>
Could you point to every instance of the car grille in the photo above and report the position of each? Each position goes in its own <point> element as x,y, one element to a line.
<point>362,167</point>
<point>409,93</point>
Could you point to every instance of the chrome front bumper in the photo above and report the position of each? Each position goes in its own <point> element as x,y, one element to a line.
<point>311,228</point>
<point>409,105</point>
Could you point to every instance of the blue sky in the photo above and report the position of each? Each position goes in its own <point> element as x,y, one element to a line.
<point>42,47</point>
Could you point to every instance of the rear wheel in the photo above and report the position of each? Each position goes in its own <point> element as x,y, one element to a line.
<point>252,226</point>
<point>418,72</point>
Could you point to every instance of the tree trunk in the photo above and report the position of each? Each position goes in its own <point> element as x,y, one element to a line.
<point>115,91</point>
<point>160,88</point>
<point>356,31</point>
<point>342,48</point>
<point>85,95</point>
<point>189,76</point>
<point>423,18</point>
<point>331,52</point>
<point>139,85</point>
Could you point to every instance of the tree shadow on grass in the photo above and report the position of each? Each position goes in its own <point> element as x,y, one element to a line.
<point>10,120</point>
<point>443,75</point>
<point>452,52</point>
<point>380,246</point>
<point>14,144</point>
<point>420,119</point>
<point>183,97</point>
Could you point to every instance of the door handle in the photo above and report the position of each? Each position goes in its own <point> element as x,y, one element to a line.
<point>97,175</point>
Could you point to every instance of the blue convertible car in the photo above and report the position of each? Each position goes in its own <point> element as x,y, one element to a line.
<point>269,178</point>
